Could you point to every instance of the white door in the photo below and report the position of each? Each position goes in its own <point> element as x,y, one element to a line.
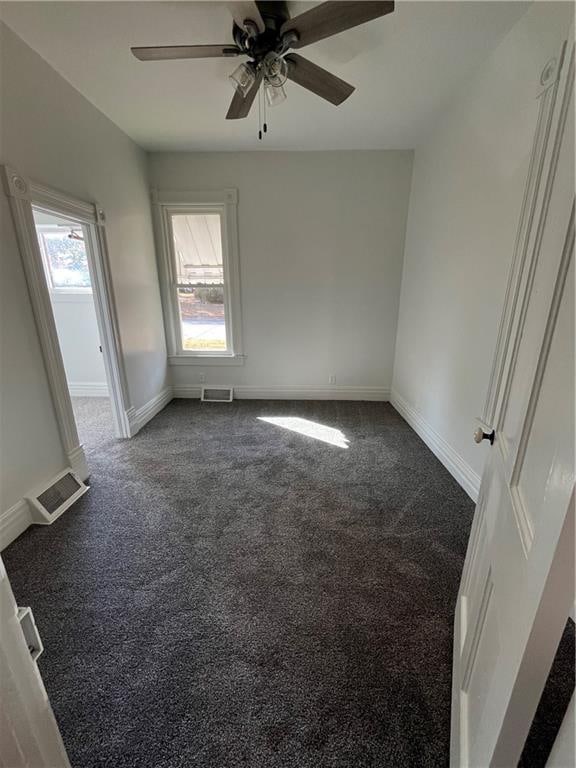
<point>517,586</point>
<point>29,735</point>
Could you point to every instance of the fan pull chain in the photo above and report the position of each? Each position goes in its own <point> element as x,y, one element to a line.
<point>262,124</point>
<point>260,114</point>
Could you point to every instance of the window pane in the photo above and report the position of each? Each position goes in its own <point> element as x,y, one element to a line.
<point>66,258</point>
<point>200,281</point>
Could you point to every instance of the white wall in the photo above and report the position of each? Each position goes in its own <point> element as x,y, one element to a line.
<point>321,242</point>
<point>467,190</point>
<point>77,327</point>
<point>51,134</point>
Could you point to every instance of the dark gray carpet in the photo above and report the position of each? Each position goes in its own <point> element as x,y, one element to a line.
<point>93,416</point>
<point>230,593</point>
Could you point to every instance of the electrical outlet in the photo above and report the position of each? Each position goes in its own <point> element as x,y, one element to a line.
<point>332,379</point>
<point>202,378</point>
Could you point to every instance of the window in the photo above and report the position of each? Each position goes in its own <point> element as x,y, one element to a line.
<point>199,274</point>
<point>65,258</point>
<point>200,277</point>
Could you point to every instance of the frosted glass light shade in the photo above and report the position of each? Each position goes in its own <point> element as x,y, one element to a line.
<point>274,94</point>
<point>243,78</point>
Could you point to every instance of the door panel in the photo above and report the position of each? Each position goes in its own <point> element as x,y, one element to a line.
<point>533,192</point>
<point>508,616</point>
<point>544,264</point>
<point>479,684</point>
<point>547,470</point>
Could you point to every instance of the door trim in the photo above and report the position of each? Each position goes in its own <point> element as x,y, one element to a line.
<point>23,194</point>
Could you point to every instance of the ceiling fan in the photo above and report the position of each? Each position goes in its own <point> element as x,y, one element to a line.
<point>264,32</point>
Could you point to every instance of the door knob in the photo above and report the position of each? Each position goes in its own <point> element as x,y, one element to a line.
<point>480,435</point>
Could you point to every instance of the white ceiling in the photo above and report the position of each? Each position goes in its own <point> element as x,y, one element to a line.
<point>405,67</point>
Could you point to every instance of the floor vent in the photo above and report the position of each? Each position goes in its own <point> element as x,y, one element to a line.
<point>217,394</point>
<point>51,502</point>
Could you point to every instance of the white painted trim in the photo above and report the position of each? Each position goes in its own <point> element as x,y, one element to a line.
<point>23,194</point>
<point>19,193</point>
<point>108,325</point>
<point>77,461</point>
<point>132,423</point>
<point>200,197</point>
<point>13,522</point>
<point>454,463</point>
<point>206,360</point>
<point>187,392</point>
<point>141,416</point>
<point>88,389</point>
<point>45,197</point>
<point>294,392</point>
<point>225,203</point>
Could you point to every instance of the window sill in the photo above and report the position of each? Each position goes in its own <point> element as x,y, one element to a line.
<point>206,360</point>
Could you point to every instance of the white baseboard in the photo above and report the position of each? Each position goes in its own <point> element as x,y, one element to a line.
<point>131,421</point>
<point>454,463</point>
<point>78,464</point>
<point>88,389</point>
<point>13,522</point>
<point>138,417</point>
<point>188,392</point>
<point>295,392</point>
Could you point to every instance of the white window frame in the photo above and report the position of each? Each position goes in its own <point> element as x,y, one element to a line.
<point>224,203</point>
<point>76,290</point>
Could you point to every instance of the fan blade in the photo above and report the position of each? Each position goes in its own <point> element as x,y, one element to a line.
<point>330,18</point>
<point>317,80</point>
<point>166,52</point>
<point>246,10</point>
<point>240,105</point>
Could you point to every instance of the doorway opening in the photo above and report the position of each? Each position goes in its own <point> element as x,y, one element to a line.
<point>65,244</point>
<point>68,250</point>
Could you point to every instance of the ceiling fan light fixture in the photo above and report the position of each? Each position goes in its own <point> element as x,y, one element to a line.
<point>266,33</point>
<point>275,69</point>
<point>243,78</point>
<point>275,94</point>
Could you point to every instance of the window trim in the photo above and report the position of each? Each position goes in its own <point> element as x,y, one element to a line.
<point>223,202</point>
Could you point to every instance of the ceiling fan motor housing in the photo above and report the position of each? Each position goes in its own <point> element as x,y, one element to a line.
<point>258,44</point>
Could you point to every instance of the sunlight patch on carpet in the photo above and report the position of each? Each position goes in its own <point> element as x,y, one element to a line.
<point>309,429</point>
